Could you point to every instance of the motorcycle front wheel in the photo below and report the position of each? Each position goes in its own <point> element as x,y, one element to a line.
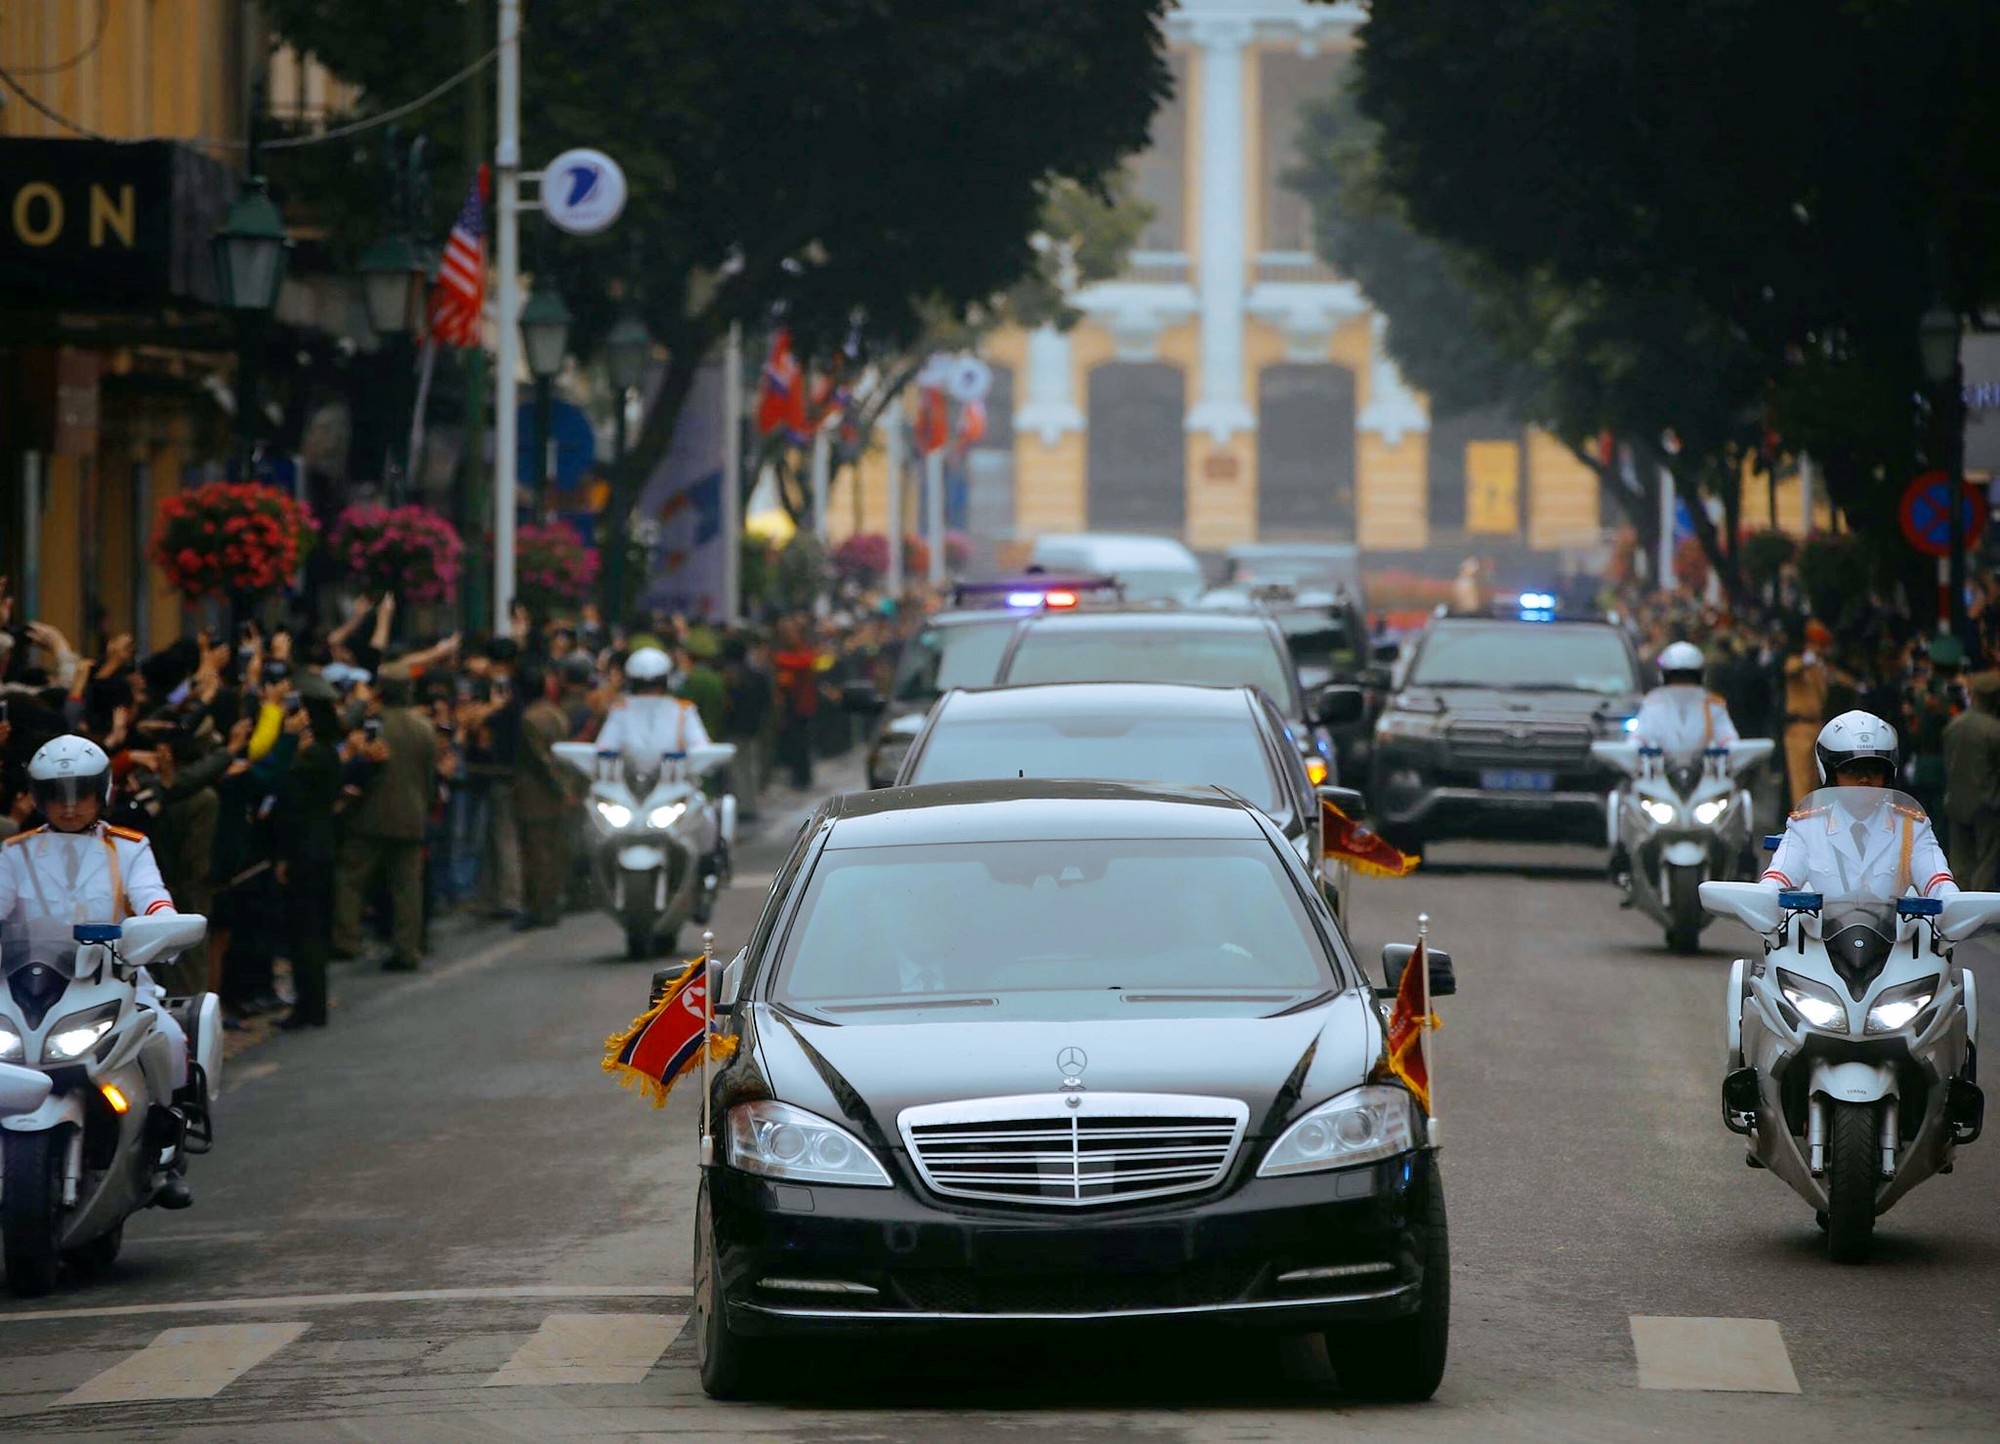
<point>1684,907</point>
<point>1852,1173</point>
<point>31,1210</point>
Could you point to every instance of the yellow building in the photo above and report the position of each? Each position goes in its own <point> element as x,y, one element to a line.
<point>1230,387</point>
<point>115,364</point>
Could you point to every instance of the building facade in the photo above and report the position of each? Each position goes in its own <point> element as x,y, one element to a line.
<point>1230,386</point>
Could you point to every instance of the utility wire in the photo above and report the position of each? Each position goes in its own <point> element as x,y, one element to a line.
<point>97,39</point>
<point>7,79</point>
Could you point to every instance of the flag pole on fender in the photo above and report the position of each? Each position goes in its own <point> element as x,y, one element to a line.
<point>708,982</point>
<point>1424,1037</point>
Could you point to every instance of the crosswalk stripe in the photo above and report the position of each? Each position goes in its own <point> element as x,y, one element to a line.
<point>1736,1355</point>
<point>196,1362</point>
<point>590,1349</point>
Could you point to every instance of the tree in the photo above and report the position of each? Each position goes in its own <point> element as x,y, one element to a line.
<point>880,160</point>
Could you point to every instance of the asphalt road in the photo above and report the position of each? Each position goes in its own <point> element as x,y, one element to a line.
<point>439,1220</point>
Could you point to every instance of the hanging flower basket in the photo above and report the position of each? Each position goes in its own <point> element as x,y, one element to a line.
<point>408,550</point>
<point>553,569</point>
<point>242,540</point>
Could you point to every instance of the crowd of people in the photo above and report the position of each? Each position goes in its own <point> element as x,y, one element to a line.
<point>326,792</point>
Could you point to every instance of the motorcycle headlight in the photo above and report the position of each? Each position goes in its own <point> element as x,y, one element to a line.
<point>1815,1004</point>
<point>77,1034</point>
<point>1710,811</point>
<point>1359,1126</point>
<point>777,1140</point>
<point>1661,813</point>
<point>1895,1008</point>
<point>615,814</point>
<point>10,1042</point>
<point>661,818</point>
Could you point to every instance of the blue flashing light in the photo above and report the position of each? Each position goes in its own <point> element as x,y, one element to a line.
<point>96,932</point>
<point>1631,724</point>
<point>1919,907</point>
<point>1538,602</point>
<point>1801,902</point>
<point>1025,600</point>
<point>1771,841</point>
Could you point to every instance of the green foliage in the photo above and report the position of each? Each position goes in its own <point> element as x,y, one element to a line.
<point>1764,556</point>
<point>1836,571</point>
<point>1085,236</point>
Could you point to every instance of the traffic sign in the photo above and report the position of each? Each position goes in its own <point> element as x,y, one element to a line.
<point>1926,514</point>
<point>583,191</point>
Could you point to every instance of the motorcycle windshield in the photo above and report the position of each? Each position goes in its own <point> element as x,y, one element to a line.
<point>1855,849</point>
<point>24,944</point>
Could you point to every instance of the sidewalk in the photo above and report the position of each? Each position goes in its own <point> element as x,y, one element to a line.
<point>465,942</point>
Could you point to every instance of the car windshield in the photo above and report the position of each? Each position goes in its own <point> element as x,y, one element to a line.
<point>1061,652</point>
<point>1527,654</point>
<point>1292,569</point>
<point>1856,849</point>
<point>1054,926</point>
<point>1225,752</point>
<point>1142,585</point>
<point>940,658</point>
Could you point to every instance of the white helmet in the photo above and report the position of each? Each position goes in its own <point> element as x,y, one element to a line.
<point>1680,657</point>
<point>1854,737</point>
<point>69,769</point>
<point>647,670</point>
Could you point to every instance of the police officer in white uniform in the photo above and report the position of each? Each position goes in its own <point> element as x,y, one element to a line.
<point>651,723</point>
<point>79,869</point>
<point>1680,715</point>
<point>1869,850</point>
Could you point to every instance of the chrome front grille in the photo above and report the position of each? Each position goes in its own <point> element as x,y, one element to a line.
<point>1072,1150</point>
<point>1477,742</point>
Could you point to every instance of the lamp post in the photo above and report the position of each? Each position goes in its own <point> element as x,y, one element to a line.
<point>250,251</point>
<point>1938,344</point>
<point>545,338</point>
<point>627,348</point>
<point>392,284</point>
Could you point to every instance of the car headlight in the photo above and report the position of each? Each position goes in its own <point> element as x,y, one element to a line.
<point>777,1140</point>
<point>615,814</point>
<point>77,1034</point>
<point>1710,811</point>
<point>1359,1126</point>
<point>1895,1008</point>
<point>1661,813</point>
<point>1814,1003</point>
<point>1406,724</point>
<point>661,818</point>
<point>10,1042</point>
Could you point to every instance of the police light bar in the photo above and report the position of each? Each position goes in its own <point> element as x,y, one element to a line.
<point>1919,907</point>
<point>1801,902</point>
<point>1537,602</point>
<point>1031,593</point>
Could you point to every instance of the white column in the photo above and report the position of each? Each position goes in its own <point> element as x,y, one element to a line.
<point>732,477</point>
<point>1222,411</point>
<point>1050,408</point>
<point>934,515</point>
<point>892,435</point>
<point>507,297</point>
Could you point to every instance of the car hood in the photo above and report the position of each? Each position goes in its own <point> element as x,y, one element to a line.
<point>1490,702</point>
<point>869,1073</point>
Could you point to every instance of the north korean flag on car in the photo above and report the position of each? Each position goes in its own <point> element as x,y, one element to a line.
<point>666,1040</point>
<point>1410,1022</point>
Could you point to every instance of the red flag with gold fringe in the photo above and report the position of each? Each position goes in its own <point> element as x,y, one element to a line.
<point>1410,1020</point>
<point>1360,847</point>
<point>666,1041</point>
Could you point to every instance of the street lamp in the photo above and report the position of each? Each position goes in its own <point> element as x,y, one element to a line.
<point>1937,344</point>
<point>392,285</point>
<point>627,349</point>
<point>545,339</point>
<point>249,253</point>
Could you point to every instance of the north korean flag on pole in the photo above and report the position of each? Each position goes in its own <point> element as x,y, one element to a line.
<point>667,1040</point>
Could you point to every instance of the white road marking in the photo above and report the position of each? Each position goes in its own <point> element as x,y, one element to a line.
<point>190,1363</point>
<point>338,1301</point>
<point>1738,1355</point>
<point>248,1074</point>
<point>590,1349</point>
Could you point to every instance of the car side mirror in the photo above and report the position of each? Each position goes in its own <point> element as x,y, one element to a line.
<point>1339,705</point>
<point>863,698</point>
<point>1388,653</point>
<point>1348,799</point>
<point>1396,957</point>
<point>730,985</point>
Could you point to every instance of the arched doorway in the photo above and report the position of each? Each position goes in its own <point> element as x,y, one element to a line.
<point>1136,458</point>
<point>1305,453</point>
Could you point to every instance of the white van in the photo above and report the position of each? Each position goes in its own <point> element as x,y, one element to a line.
<point>1151,567</point>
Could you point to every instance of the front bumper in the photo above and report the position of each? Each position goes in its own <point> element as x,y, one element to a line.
<point>883,1257</point>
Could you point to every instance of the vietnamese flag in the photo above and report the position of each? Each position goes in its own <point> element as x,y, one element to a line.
<point>1361,848</point>
<point>1410,1020</point>
<point>666,1040</point>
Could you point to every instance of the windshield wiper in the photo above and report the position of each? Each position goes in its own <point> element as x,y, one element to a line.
<point>896,1003</point>
<point>1267,996</point>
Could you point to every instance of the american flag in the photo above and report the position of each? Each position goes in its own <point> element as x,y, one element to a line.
<point>460,293</point>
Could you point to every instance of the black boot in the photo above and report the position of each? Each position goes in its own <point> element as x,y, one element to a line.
<point>173,1191</point>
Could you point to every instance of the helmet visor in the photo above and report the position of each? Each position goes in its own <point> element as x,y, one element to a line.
<point>69,789</point>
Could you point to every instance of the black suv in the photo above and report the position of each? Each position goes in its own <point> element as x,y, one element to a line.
<point>1487,732</point>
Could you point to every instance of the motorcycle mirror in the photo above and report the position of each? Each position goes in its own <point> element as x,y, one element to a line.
<point>146,938</point>
<point>1752,904</point>
<point>22,1090</point>
<point>1968,913</point>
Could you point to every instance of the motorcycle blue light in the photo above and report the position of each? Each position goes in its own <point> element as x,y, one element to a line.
<point>1024,600</point>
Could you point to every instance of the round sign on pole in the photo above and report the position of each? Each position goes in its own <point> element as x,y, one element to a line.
<point>1926,514</point>
<point>583,191</point>
<point>968,380</point>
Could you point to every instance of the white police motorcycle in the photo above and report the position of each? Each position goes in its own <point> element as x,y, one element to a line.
<point>82,1149</point>
<point>659,846</point>
<point>1853,1040</point>
<point>1682,820</point>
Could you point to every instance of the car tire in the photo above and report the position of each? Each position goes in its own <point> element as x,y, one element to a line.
<point>722,1355</point>
<point>1403,1359</point>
